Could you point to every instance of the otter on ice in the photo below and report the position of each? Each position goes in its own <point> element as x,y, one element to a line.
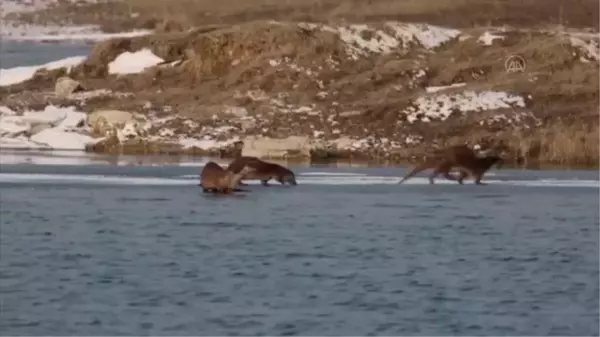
<point>459,156</point>
<point>263,171</point>
<point>214,178</point>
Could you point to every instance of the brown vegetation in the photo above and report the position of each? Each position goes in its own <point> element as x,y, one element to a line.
<point>170,15</point>
<point>228,53</point>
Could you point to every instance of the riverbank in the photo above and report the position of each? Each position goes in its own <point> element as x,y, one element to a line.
<point>380,91</point>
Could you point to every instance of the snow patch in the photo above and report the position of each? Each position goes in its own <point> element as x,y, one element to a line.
<point>524,118</point>
<point>83,96</point>
<point>429,36</point>
<point>53,128</point>
<point>57,128</point>
<point>133,62</point>
<point>362,39</point>
<point>16,75</point>
<point>286,61</point>
<point>445,87</point>
<point>488,38</point>
<point>589,47</point>
<point>188,133</point>
<point>441,106</point>
<point>280,106</point>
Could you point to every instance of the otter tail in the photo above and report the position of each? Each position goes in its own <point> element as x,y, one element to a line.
<point>427,164</point>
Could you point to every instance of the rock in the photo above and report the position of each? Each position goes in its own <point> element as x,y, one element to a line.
<point>130,130</point>
<point>103,121</point>
<point>112,117</point>
<point>236,111</point>
<point>247,123</point>
<point>350,113</point>
<point>278,148</point>
<point>110,144</point>
<point>343,143</point>
<point>65,86</point>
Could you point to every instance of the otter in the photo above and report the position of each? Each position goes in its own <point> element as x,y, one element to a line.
<point>459,156</point>
<point>263,171</point>
<point>214,178</point>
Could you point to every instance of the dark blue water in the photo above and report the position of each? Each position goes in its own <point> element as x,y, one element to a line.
<point>109,250</point>
<point>29,53</point>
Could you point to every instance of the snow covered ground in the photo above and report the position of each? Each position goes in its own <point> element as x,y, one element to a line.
<point>361,39</point>
<point>64,128</point>
<point>19,74</point>
<point>133,62</point>
<point>56,129</point>
<point>125,63</point>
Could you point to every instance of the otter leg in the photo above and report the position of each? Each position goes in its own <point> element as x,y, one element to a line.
<point>449,176</point>
<point>478,180</point>
<point>265,182</point>
<point>464,172</point>
<point>462,176</point>
<point>280,180</point>
<point>443,167</point>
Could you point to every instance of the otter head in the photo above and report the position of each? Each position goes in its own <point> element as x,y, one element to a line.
<point>237,148</point>
<point>246,169</point>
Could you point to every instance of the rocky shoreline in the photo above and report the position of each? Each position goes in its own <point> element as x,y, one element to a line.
<point>386,91</point>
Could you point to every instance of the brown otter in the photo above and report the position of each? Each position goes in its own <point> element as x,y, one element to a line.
<point>263,171</point>
<point>217,180</point>
<point>459,156</point>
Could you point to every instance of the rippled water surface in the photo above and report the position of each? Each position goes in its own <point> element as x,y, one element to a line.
<point>115,250</point>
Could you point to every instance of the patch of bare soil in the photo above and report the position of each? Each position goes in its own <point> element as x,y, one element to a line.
<point>383,90</point>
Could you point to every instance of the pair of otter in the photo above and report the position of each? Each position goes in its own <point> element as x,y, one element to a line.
<point>218,180</point>
<point>461,157</point>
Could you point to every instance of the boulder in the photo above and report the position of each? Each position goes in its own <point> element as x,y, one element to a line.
<point>103,121</point>
<point>109,144</point>
<point>65,86</point>
<point>278,148</point>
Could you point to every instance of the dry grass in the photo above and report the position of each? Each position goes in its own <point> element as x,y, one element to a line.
<point>459,13</point>
<point>575,143</point>
<point>170,15</point>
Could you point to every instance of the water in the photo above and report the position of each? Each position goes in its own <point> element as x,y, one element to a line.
<point>88,248</point>
<point>29,53</point>
<point>134,250</point>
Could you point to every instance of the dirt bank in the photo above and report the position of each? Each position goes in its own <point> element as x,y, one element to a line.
<point>384,90</point>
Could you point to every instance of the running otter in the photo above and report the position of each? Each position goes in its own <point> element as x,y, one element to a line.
<point>263,171</point>
<point>459,156</point>
<point>217,180</point>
